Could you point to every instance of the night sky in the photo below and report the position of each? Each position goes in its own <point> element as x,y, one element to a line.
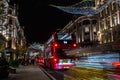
<point>40,20</point>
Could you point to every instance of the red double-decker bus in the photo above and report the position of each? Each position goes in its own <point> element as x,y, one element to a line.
<point>55,51</point>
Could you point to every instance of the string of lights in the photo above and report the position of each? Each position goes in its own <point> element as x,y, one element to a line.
<point>86,7</point>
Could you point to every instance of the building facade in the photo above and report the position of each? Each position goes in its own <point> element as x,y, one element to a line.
<point>85,28</point>
<point>101,29</point>
<point>10,28</point>
<point>109,23</point>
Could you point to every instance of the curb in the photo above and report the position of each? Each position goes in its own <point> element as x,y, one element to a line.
<point>49,75</point>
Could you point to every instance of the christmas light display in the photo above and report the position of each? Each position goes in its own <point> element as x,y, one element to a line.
<point>86,7</point>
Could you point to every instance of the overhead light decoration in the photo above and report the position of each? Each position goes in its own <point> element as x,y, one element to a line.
<point>85,7</point>
<point>37,46</point>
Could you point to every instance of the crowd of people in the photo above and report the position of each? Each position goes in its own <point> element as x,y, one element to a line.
<point>28,60</point>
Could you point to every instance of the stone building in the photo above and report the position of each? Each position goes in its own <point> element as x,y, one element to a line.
<point>10,28</point>
<point>95,24</point>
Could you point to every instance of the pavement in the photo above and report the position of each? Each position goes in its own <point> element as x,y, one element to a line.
<point>29,72</point>
<point>35,72</point>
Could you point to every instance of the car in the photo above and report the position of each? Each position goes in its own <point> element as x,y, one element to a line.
<point>4,68</point>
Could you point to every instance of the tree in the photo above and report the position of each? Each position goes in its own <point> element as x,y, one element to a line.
<point>2,43</point>
<point>22,49</point>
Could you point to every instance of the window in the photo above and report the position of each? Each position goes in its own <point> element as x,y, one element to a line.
<point>106,10</point>
<point>100,14</point>
<point>108,23</point>
<point>86,22</point>
<point>86,29</point>
<point>114,20</point>
<point>64,36</point>
<point>94,21</point>
<point>102,25</point>
<point>113,6</point>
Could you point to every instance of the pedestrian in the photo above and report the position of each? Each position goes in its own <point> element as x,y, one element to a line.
<point>32,59</point>
<point>23,61</point>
